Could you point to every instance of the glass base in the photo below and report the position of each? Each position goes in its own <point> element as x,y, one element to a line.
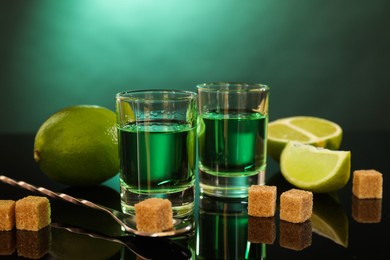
<point>229,186</point>
<point>182,201</point>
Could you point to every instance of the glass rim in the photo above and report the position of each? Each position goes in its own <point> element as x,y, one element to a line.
<point>142,95</point>
<point>232,86</point>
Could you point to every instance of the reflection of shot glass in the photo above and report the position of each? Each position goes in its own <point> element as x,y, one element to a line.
<point>223,230</point>
<point>232,135</point>
<point>157,147</point>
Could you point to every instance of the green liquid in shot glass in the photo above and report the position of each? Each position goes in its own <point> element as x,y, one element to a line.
<point>157,156</point>
<point>232,143</point>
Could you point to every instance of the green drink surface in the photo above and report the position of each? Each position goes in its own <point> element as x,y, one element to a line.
<point>157,156</point>
<point>233,142</point>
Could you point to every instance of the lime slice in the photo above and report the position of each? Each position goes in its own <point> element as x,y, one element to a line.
<point>315,169</point>
<point>305,129</point>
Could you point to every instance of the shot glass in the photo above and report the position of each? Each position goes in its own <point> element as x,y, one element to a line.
<point>157,147</point>
<point>232,137</point>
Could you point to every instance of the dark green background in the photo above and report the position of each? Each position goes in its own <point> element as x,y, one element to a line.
<point>323,58</point>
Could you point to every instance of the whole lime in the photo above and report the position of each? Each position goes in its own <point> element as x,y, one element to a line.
<point>78,145</point>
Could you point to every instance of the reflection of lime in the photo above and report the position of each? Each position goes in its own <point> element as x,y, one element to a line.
<point>329,219</point>
<point>201,131</point>
<point>68,213</point>
<point>304,129</point>
<point>191,148</point>
<point>126,113</point>
<point>78,145</point>
<point>68,245</point>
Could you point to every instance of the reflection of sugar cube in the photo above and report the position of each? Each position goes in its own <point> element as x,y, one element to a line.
<point>33,245</point>
<point>261,201</point>
<point>154,215</point>
<point>261,230</point>
<point>32,213</point>
<point>296,236</point>
<point>367,184</point>
<point>366,210</point>
<point>7,243</point>
<point>7,215</point>
<point>296,205</point>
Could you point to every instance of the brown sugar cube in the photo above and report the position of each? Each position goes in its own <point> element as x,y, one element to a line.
<point>366,210</point>
<point>33,244</point>
<point>296,205</point>
<point>295,236</point>
<point>261,201</point>
<point>32,213</point>
<point>153,215</point>
<point>261,230</point>
<point>367,184</point>
<point>7,215</point>
<point>7,242</point>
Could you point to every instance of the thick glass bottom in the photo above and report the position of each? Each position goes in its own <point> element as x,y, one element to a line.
<point>235,186</point>
<point>182,200</point>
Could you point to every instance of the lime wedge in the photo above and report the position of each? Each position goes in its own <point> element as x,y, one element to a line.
<point>305,129</point>
<point>315,169</point>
